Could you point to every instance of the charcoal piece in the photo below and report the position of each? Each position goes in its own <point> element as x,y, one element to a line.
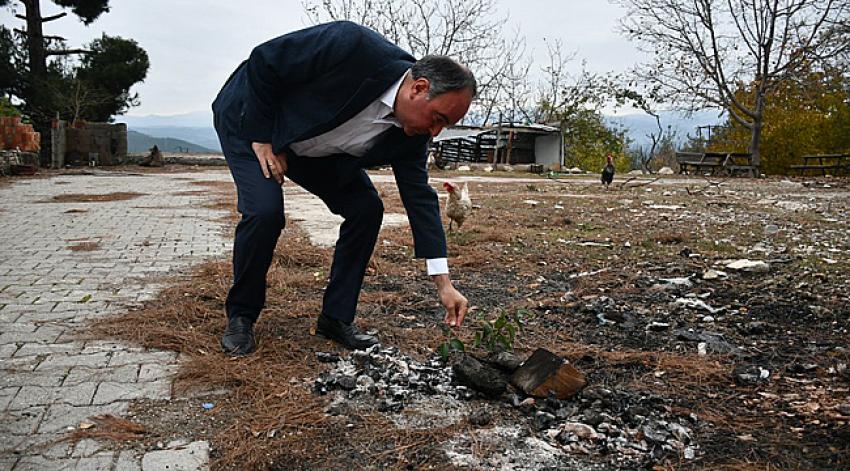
<point>327,357</point>
<point>480,418</point>
<point>478,376</point>
<point>346,383</point>
<point>505,361</point>
<point>545,373</point>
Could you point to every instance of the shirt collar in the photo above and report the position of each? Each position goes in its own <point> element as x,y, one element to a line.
<point>389,96</point>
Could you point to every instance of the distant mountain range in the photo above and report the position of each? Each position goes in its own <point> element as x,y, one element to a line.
<point>139,143</point>
<point>195,129</point>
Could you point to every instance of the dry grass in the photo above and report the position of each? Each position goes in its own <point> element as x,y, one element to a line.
<point>107,427</point>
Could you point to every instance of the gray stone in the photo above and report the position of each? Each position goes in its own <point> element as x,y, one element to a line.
<point>110,392</point>
<point>62,416</point>
<point>79,395</point>
<point>155,371</point>
<point>194,456</point>
<point>121,374</point>
<point>127,461</point>
<point>95,360</point>
<point>21,422</point>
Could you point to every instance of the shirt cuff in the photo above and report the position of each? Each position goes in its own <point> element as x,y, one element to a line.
<point>437,266</point>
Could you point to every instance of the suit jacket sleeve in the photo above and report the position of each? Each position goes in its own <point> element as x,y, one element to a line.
<point>422,206</point>
<point>280,64</point>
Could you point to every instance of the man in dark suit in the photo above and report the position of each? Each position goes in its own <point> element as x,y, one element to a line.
<point>319,106</point>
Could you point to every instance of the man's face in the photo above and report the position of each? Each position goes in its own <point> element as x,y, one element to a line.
<point>419,115</point>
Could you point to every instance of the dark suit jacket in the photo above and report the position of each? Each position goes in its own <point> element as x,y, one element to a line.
<point>308,82</point>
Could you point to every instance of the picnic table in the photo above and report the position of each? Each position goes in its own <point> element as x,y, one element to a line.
<point>730,163</point>
<point>824,162</point>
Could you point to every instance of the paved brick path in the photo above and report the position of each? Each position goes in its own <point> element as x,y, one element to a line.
<point>48,380</point>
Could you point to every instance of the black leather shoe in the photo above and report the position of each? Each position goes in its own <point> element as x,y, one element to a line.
<point>238,338</point>
<point>345,334</point>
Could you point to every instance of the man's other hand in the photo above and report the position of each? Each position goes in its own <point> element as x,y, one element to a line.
<point>271,164</point>
<point>455,303</point>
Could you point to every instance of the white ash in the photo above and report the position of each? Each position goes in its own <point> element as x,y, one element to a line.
<point>611,428</point>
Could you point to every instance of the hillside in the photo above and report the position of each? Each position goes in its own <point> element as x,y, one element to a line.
<point>138,143</point>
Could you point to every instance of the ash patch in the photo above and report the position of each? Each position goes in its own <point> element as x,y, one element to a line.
<point>413,394</point>
<point>597,429</point>
<point>517,452</point>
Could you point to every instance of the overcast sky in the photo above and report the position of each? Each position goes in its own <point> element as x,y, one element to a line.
<point>194,45</point>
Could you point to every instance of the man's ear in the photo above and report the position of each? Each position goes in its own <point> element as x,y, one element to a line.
<point>421,85</point>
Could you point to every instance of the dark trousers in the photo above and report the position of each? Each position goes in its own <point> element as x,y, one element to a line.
<point>260,201</point>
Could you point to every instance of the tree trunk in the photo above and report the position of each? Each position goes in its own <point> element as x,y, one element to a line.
<point>35,39</point>
<point>36,82</point>
<point>755,140</point>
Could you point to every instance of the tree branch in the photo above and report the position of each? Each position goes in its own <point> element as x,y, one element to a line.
<point>54,17</point>
<point>66,52</point>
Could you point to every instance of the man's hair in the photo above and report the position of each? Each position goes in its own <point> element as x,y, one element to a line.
<point>445,75</point>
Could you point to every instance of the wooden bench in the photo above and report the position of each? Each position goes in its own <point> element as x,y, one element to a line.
<point>823,162</point>
<point>730,163</point>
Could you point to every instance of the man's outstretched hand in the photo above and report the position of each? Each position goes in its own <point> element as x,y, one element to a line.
<point>455,303</point>
<point>271,164</point>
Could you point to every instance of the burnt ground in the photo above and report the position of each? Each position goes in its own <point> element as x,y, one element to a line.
<point>623,283</point>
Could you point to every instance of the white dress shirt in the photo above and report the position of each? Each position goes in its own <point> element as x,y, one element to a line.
<point>356,136</point>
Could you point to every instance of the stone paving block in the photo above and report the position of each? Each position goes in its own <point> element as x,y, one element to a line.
<point>61,416</point>
<point>7,350</point>
<point>25,327</point>
<point>102,462</point>
<point>78,395</point>
<point>86,447</point>
<point>33,349</point>
<point>49,445</point>
<point>6,396</point>
<point>119,374</point>
<point>106,346</point>
<point>128,358</point>
<point>194,456</point>
<point>94,360</point>
<point>109,392</point>
<point>43,316</point>
<point>128,461</point>
<point>44,334</point>
<point>7,463</point>
<point>41,463</point>
<point>10,315</point>
<point>157,371</point>
<point>45,378</point>
<point>20,422</point>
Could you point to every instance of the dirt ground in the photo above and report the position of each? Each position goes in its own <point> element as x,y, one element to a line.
<point>630,284</point>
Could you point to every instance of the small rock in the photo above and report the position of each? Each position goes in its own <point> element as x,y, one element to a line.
<point>714,275</point>
<point>750,375</point>
<point>771,229</point>
<point>346,383</point>
<point>701,349</point>
<point>580,430</point>
<point>480,418</point>
<point>542,420</point>
<point>505,361</point>
<point>755,328</point>
<point>750,266</point>
<point>658,326</point>
<point>843,409</point>
<point>666,171</point>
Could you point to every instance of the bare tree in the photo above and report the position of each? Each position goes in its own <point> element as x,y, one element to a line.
<point>732,53</point>
<point>471,31</point>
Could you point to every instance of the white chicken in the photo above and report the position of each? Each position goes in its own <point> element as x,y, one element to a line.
<point>458,204</point>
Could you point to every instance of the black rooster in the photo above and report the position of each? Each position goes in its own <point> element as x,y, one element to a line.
<point>608,172</point>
